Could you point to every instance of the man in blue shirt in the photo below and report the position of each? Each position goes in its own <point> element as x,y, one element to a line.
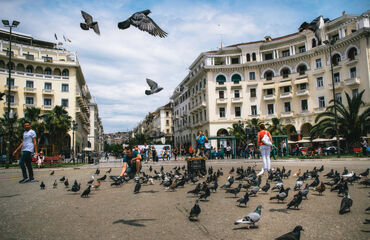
<point>131,163</point>
<point>200,143</point>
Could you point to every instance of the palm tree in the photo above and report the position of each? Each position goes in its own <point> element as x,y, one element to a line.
<point>253,124</point>
<point>33,115</point>
<point>238,131</point>
<point>276,128</point>
<point>17,130</point>
<point>351,124</point>
<point>57,123</point>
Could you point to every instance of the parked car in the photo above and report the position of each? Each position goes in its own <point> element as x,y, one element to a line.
<point>333,150</point>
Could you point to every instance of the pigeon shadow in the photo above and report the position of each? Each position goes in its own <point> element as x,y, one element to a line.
<point>316,194</point>
<point>204,200</point>
<point>134,222</point>
<point>149,191</point>
<point>279,210</point>
<point>194,196</point>
<point>241,206</point>
<point>9,196</point>
<point>246,228</point>
<point>278,203</point>
<point>232,197</point>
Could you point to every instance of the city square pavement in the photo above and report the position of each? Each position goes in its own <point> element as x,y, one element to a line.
<point>117,213</point>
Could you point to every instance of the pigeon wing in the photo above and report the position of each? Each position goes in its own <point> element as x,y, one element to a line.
<point>96,28</point>
<point>153,85</point>
<point>88,18</point>
<point>253,217</point>
<point>148,25</point>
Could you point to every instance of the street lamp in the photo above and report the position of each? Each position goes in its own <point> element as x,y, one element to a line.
<point>74,128</point>
<point>13,25</point>
<point>331,44</point>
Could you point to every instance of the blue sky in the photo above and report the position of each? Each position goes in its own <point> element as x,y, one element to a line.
<point>116,63</point>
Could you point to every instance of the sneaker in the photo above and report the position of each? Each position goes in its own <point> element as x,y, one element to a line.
<point>136,178</point>
<point>32,180</point>
<point>23,180</point>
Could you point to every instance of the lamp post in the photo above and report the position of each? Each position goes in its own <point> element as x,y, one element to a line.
<point>332,43</point>
<point>74,128</point>
<point>7,24</point>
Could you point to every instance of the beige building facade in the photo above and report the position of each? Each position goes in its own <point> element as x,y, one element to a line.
<point>96,136</point>
<point>288,77</point>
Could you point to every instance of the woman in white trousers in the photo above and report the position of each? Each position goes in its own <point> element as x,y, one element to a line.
<point>264,149</point>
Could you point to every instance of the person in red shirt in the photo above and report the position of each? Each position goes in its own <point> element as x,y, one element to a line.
<point>264,149</point>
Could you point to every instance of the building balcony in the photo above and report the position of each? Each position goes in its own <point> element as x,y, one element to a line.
<point>287,114</point>
<point>203,104</point>
<point>253,115</point>
<point>221,100</point>
<point>12,104</point>
<point>269,97</point>
<point>352,61</point>
<point>270,116</point>
<point>28,105</point>
<point>236,100</point>
<point>29,90</point>
<point>303,92</point>
<point>319,110</point>
<point>48,91</point>
<point>337,66</point>
<point>319,72</point>
<point>352,81</point>
<point>301,76</point>
<point>12,88</point>
<point>336,85</point>
<point>38,75</point>
<point>47,107</point>
<point>220,87</point>
<point>286,95</point>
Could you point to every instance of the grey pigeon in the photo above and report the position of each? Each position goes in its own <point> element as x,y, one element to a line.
<point>154,88</point>
<point>194,212</point>
<point>295,202</point>
<point>244,199</point>
<point>293,235</point>
<point>281,196</point>
<point>142,21</point>
<point>89,23</point>
<point>251,218</point>
<point>55,184</point>
<point>137,187</point>
<point>346,204</point>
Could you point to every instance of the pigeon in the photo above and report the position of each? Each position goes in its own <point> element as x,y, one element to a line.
<point>348,175</point>
<point>293,235</point>
<point>254,191</point>
<point>205,194</point>
<point>214,186</point>
<point>89,23</point>
<point>75,187</point>
<point>234,191</point>
<point>150,168</point>
<point>281,196</point>
<point>137,187</point>
<point>315,183</point>
<point>42,185</point>
<point>91,180</point>
<point>295,202</point>
<point>142,21</point>
<point>251,218</point>
<point>66,183</point>
<point>304,192</point>
<point>367,221</point>
<point>86,192</point>
<point>298,184</point>
<point>194,212</point>
<point>62,179</point>
<point>229,182</point>
<point>102,178</point>
<point>154,88</point>
<point>297,173</point>
<point>97,171</point>
<point>365,174</point>
<point>97,185</point>
<point>244,199</point>
<point>52,173</point>
<point>346,204</point>
<point>366,182</point>
<point>266,187</point>
<point>55,184</point>
<point>278,186</point>
<point>110,169</point>
<point>320,188</point>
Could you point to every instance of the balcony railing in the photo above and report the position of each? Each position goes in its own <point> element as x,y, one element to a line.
<point>12,104</point>
<point>319,110</point>
<point>352,81</point>
<point>303,92</point>
<point>236,100</point>
<point>38,75</point>
<point>269,97</point>
<point>28,105</point>
<point>47,91</point>
<point>221,101</point>
<point>286,95</point>
<point>47,107</point>
<point>12,88</point>
<point>287,114</point>
<point>336,85</point>
<point>29,90</point>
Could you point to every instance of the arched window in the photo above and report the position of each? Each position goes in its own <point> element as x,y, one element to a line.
<point>313,42</point>
<point>336,59</point>
<point>302,69</point>
<point>11,66</point>
<point>29,69</point>
<point>65,72</point>
<point>352,53</point>
<point>57,72</point>
<point>39,70</point>
<point>254,56</point>
<point>269,75</point>
<point>2,64</point>
<point>20,67</point>
<point>236,78</point>
<point>248,57</point>
<point>285,72</point>
<point>48,71</point>
<point>221,79</point>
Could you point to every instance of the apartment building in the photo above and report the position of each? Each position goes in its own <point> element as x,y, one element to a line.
<point>96,136</point>
<point>287,77</point>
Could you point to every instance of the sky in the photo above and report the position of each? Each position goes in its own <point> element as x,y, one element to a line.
<point>116,63</point>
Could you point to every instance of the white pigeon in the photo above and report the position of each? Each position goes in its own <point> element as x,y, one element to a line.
<point>348,175</point>
<point>251,218</point>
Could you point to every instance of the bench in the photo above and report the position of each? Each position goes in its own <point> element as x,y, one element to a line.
<point>357,151</point>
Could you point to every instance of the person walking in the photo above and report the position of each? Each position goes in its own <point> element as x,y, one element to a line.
<point>264,141</point>
<point>29,146</point>
<point>228,151</point>
<point>175,152</point>
<point>364,146</point>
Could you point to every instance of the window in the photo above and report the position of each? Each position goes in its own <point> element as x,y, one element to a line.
<point>235,60</point>
<point>318,63</point>
<point>167,122</point>
<point>167,114</point>
<point>253,92</point>
<point>321,102</point>
<point>302,69</point>
<point>237,112</point>
<point>11,82</point>
<point>285,72</point>
<point>221,79</point>
<point>313,42</point>
<point>338,97</point>
<point>270,108</point>
<point>236,78</point>
<point>29,100</point>
<point>252,76</point>
<point>65,87</point>
<point>303,86</point>
<point>286,89</point>
<point>47,71</point>
<point>11,98</point>
<point>269,75</point>
<point>336,77</point>
<point>28,56</point>
<point>204,82</point>
<point>287,107</point>
<point>335,37</point>
<point>270,91</point>
<point>47,85</point>
<point>221,94</point>
<point>65,72</point>
<point>286,53</point>
<point>65,102</point>
<point>354,92</point>
<point>29,69</point>
<point>352,53</point>
<point>205,115</point>
<point>319,82</point>
<point>254,56</point>
<point>268,56</point>
<point>47,58</point>
<point>248,57</point>
<point>167,131</point>
<point>200,116</point>
<point>336,59</point>
<point>222,112</point>
<point>353,72</point>
<point>253,110</point>
<point>302,49</point>
<point>304,105</point>
<point>236,94</point>
<point>29,84</point>
<point>47,101</point>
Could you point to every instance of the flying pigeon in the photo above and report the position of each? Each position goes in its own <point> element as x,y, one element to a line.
<point>251,218</point>
<point>154,88</point>
<point>194,212</point>
<point>346,204</point>
<point>89,23</point>
<point>142,21</point>
<point>293,235</point>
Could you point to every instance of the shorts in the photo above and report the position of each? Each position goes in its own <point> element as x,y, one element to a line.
<point>131,168</point>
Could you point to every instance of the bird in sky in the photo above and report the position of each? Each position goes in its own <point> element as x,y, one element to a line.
<point>142,21</point>
<point>154,88</point>
<point>251,218</point>
<point>89,23</point>
<point>293,235</point>
<point>195,211</point>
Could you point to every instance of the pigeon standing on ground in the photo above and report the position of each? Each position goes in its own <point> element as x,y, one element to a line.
<point>110,169</point>
<point>66,183</point>
<point>194,212</point>
<point>154,88</point>
<point>295,202</point>
<point>86,192</point>
<point>142,21</point>
<point>346,204</point>
<point>97,171</point>
<point>62,179</point>
<point>42,185</point>
<point>89,23</point>
<point>244,199</point>
<point>293,235</point>
<point>137,187</point>
<point>281,196</point>
<point>55,184</point>
<point>91,180</point>
<point>102,178</point>
<point>251,218</point>
<point>52,173</point>
<point>320,188</point>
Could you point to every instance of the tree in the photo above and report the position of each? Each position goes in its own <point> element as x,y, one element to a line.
<point>238,131</point>
<point>276,128</point>
<point>33,115</point>
<point>253,128</point>
<point>351,124</point>
<point>16,133</point>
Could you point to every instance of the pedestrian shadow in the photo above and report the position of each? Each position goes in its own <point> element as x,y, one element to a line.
<point>281,210</point>
<point>134,222</point>
<point>9,196</point>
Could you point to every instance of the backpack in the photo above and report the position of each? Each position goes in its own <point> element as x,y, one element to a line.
<point>266,140</point>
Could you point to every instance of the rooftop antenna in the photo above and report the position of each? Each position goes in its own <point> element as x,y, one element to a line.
<point>221,37</point>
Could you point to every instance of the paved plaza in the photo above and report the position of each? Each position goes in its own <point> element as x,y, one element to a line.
<point>116,213</point>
